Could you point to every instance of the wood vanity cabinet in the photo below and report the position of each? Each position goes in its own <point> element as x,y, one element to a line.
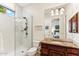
<point>56,50</point>
<point>72,51</point>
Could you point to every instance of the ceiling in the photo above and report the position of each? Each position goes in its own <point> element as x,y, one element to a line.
<point>23,4</point>
<point>41,4</point>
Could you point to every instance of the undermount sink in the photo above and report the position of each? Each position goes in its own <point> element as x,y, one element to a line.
<point>57,42</point>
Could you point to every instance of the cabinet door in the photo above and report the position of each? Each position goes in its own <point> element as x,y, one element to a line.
<point>55,54</point>
<point>69,54</point>
<point>72,51</point>
<point>44,51</point>
<point>43,45</point>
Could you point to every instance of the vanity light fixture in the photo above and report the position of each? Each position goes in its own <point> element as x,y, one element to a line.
<point>57,12</point>
<point>52,12</point>
<point>61,11</point>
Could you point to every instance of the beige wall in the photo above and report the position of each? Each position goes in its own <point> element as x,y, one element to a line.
<point>39,19</point>
<point>71,9</point>
<point>62,24</point>
<point>18,11</point>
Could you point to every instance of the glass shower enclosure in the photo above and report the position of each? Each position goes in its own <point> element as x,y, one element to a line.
<point>23,34</point>
<point>16,33</point>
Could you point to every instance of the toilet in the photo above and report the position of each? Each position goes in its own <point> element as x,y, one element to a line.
<point>32,51</point>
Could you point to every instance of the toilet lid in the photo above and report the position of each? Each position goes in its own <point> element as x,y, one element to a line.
<point>32,49</point>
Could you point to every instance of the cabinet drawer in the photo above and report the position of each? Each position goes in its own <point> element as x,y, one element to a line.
<point>57,48</point>
<point>55,53</point>
<point>44,51</point>
<point>74,51</point>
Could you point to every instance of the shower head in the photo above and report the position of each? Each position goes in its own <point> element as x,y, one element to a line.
<point>24,17</point>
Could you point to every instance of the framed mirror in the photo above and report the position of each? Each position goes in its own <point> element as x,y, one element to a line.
<point>73,24</point>
<point>55,28</point>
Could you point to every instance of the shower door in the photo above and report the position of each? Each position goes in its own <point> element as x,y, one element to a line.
<point>24,35</point>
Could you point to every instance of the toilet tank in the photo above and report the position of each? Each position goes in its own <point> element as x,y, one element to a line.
<point>36,43</point>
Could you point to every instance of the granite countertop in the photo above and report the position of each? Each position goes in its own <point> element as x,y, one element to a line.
<point>60,42</point>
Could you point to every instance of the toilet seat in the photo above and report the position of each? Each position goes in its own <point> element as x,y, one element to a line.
<point>32,51</point>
